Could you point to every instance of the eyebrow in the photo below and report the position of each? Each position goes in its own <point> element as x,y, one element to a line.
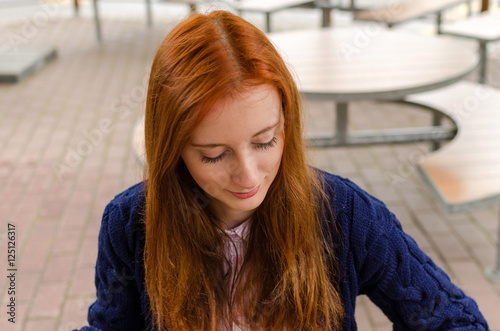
<point>255,135</point>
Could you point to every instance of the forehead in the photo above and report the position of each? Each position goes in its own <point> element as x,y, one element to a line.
<point>236,117</point>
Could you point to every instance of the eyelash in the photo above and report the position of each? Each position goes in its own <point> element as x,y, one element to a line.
<point>264,146</point>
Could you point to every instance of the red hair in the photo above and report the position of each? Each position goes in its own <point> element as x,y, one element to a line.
<point>287,279</point>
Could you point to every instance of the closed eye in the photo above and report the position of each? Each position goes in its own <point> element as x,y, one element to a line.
<point>216,159</point>
<point>267,145</point>
<point>264,146</point>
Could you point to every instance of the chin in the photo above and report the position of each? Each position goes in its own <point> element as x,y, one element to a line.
<point>248,204</point>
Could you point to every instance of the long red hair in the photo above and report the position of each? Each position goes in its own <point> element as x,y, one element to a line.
<point>287,281</point>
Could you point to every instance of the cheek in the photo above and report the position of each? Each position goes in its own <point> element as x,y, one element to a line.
<point>211,181</point>
<point>273,160</point>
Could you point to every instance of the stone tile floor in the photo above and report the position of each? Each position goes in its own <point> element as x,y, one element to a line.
<point>65,151</point>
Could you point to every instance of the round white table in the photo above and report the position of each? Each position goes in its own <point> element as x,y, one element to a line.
<point>372,63</point>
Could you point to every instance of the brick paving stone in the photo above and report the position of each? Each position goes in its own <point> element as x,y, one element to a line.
<point>402,214</point>
<point>457,219</point>
<point>385,193</point>
<point>432,222</point>
<point>362,321</point>
<point>485,255</point>
<point>66,244</point>
<point>488,304</point>
<point>88,253</point>
<point>34,255</point>
<point>26,284</point>
<point>41,324</point>
<point>52,207</point>
<point>373,174</point>
<point>59,268</point>
<point>363,318</point>
<point>358,180</point>
<point>473,236</point>
<point>419,237</point>
<point>437,259</point>
<point>363,156</point>
<point>470,277</point>
<point>419,201</point>
<point>488,218</point>
<point>75,313</point>
<point>450,247</point>
<point>345,166</point>
<point>83,283</point>
<point>48,300</point>
<point>43,230</point>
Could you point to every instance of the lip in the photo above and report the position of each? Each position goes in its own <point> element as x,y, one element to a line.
<point>246,195</point>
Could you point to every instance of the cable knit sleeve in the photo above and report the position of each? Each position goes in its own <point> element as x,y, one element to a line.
<point>118,300</point>
<point>400,278</point>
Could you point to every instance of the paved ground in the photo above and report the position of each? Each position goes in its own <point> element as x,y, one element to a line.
<point>59,167</point>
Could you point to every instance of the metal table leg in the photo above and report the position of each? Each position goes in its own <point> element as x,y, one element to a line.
<point>437,121</point>
<point>97,22</point>
<point>482,61</point>
<point>148,13</point>
<point>326,20</point>
<point>268,22</point>
<point>439,21</point>
<point>341,125</point>
<point>493,273</point>
<point>77,7</point>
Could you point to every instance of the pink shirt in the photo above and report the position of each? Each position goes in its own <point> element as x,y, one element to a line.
<point>235,251</point>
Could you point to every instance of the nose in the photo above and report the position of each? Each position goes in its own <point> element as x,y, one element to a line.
<point>245,172</point>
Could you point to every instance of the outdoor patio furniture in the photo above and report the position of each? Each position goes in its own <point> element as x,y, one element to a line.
<point>192,4</point>
<point>484,28</point>
<point>398,13</point>
<point>269,7</point>
<point>465,174</point>
<point>347,64</point>
<point>19,63</point>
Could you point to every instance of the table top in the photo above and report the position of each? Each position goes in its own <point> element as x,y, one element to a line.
<point>407,10</point>
<point>269,5</point>
<point>485,26</point>
<point>345,64</point>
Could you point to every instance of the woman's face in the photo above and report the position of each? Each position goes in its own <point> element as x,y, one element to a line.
<point>235,152</point>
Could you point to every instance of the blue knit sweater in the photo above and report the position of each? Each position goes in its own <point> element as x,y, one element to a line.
<point>376,258</point>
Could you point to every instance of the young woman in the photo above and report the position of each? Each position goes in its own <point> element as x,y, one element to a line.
<point>231,230</point>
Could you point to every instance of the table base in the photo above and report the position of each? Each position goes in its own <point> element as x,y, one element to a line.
<point>389,136</point>
<point>434,133</point>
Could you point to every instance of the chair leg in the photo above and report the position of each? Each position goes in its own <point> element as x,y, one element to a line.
<point>327,17</point>
<point>437,120</point>
<point>483,58</point>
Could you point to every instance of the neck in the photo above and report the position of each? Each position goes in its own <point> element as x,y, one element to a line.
<point>230,218</point>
